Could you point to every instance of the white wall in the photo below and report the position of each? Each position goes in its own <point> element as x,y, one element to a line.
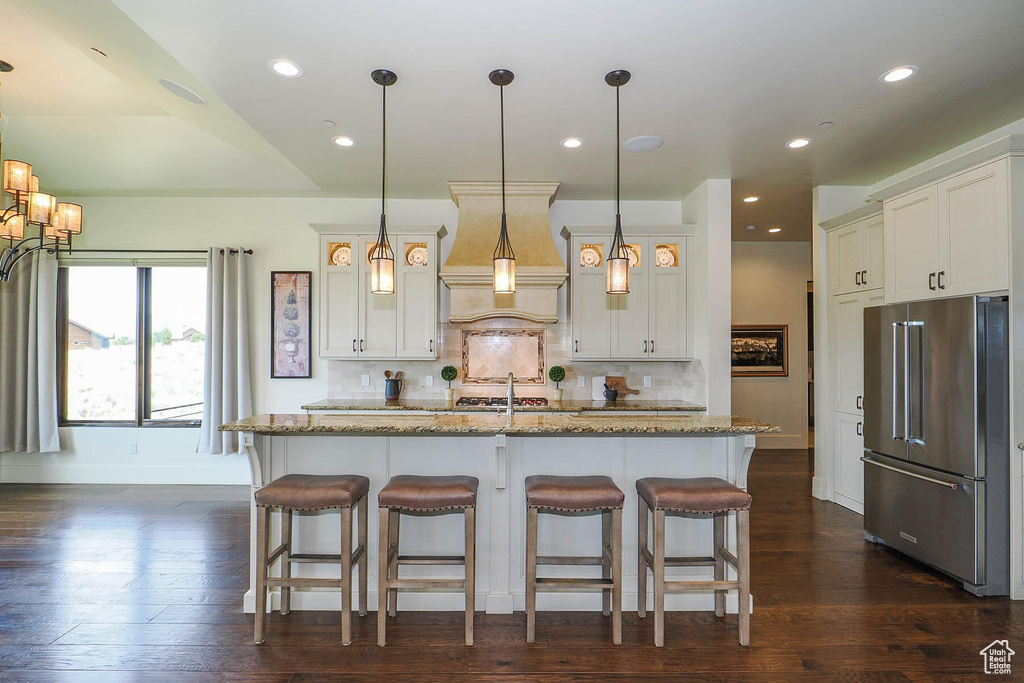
<point>769,286</point>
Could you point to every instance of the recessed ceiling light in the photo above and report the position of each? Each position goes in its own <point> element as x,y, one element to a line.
<point>825,124</point>
<point>283,67</point>
<point>182,92</point>
<point>343,141</point>
<point>900,73</point>
<point>751,227</point>
<point>774,229</point>
<point>572,143</point>
<point>797,143</point>
<point>750,200</point>
<point>643,143</point>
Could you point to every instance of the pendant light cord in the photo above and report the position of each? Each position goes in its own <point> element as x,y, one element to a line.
<point>502,97</point>
<point>617,148</point>
<point>384,145</point>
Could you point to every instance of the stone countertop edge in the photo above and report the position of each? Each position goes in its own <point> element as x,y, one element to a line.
<point>441,406</point>
<point>499,424</point>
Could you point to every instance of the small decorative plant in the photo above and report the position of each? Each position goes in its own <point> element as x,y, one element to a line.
<point>556,374</point>
<point>448,373</point>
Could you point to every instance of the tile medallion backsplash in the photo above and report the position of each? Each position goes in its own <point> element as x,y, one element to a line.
<point>489,355</point>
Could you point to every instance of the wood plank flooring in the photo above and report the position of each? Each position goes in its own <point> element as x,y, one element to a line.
<point>109,584</point>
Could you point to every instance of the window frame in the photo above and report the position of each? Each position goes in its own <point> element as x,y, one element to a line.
<point>143,351</point>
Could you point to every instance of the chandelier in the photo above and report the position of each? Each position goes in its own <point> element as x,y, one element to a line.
<point>55,223</point>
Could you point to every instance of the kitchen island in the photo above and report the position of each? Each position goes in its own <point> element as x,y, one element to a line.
<point>501,451</point>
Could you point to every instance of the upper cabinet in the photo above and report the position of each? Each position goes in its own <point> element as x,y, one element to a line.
<point>649,323</point>
<point>355,323</point>
<point>950,238</point>
<point>855,256</point>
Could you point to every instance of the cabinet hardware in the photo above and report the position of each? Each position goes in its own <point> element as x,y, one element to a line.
<point>856,278</point>
<point>360,344</point>
<point>860,429</point>
<point>860,403</point>
<point>652,346</point>
<point>431,346</point>
<point>353,346</point>
<point>947,484</point>
<point>645,346</point>
<point>576,346</point>
<point>863,277</point>
<point>931,281</point>
<point>941,273</point>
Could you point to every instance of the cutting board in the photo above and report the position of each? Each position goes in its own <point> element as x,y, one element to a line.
<point>618,383</point>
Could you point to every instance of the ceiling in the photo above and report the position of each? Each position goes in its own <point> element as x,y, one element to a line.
<point>725,83</point>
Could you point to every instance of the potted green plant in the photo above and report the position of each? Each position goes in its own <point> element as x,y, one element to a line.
<point>556,374</point>
<point>448,373</point>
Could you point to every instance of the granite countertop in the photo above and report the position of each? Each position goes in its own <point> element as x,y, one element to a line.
<point>519,424</point>
<point>440,405</point>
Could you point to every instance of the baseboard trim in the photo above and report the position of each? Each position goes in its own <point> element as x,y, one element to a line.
<point>819,488</point>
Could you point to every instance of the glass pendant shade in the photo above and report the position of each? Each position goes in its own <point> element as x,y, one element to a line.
<point>17,177</point>
<point>68,218</point>
<point>382,269</point>
<point>618,263</point>
<point>504,276</point>
<point>52,233</point>
<point>13,228</point>
<point>41,208</point>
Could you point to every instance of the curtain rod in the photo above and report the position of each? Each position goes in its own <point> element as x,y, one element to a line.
<point>151,251</point>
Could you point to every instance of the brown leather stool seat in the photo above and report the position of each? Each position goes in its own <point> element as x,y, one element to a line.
<point>704,495</point>
<point>429,493</point>
<point>573,494</point>
<point>661,496</point>
<point>588,494</point>
<point>313,491</point>
<point>306,493</point>
<point>412,494</point>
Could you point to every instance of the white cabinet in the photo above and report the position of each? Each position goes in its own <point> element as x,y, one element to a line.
<point>354,322</point>
<point>950,238</point>
<point>649,323</point>
<point>855,256</point>
<point>847,317</point>
<point>848,432</point>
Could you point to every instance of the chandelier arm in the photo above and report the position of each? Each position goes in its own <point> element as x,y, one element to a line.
<point>15,253</point>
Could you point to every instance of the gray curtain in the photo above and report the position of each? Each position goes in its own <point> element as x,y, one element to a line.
<point>227,394</point>
<point>28,357</point>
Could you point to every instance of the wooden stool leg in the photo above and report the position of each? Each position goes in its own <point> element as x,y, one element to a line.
<point>531,574</point>
<point>641,563</point>
<point>659,578</point>
<point>743,555</point>
<point>346,575</point>
<point>606,565</point>
<point>262,550</point>
<point>394,522</point>
<point>719,522</point>
<point>616,543</point>
<point>470,572</point>
<point>382,577</point>
<point>286,565</point>
<point>363,558</point>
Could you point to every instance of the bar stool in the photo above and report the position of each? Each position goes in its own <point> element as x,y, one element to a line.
<point>302,493</point>
<point>574,496</point>
<point>424,495</point>
<point>701,496</point>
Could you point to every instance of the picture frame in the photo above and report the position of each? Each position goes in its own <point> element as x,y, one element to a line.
<point>760,350</point>
<point>291,310</point>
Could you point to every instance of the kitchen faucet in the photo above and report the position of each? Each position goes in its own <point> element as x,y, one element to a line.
<point>510,396</point>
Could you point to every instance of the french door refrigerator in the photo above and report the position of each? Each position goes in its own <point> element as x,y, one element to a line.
<point>936,436</point>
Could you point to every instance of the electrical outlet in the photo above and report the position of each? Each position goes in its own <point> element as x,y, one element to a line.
<point>430,380</point>
<point>581,381</point>
<point>647,380</point>
<point>366,380</point>
<point>133,448</point>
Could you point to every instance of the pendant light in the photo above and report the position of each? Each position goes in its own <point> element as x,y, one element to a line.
<point>504,257</point>
<point>618,256</point>
<point>382,258</point>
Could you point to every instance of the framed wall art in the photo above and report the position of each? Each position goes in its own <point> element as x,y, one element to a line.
<point>760,350</point>
<point>290,315</point>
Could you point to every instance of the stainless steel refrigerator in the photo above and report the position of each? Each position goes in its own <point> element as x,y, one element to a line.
<point>936,436</point>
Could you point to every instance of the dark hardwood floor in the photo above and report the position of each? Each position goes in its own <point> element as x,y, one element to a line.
<point>105,584</point>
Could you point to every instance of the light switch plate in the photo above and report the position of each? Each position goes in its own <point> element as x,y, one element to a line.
<point>366,380</point>
<point>647,380</point>
<point>430,380</point>
<point>581,381</point>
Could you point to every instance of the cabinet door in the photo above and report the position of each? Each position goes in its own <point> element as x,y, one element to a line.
<point>416,275</point>
<point>630,312</point>
<point>874,253</point>
<point>378,316</point>
<point>846,258</point>
<point>590,315</point>
<point>911,246</point>
<point>339,297</point>
<point>974,240</point>
<point>849,470</point>
<point>668,310</point>
<point>848,347</point>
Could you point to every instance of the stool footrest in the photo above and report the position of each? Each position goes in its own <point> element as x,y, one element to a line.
<point>325,557</point>
<point>568,559</point>
<point>426,583</point>
<point>305,583</point>
<point>606,584</point>
<point>680,561</point>
<point>431,559</point>
<point>675,586</point>
<point>729,557</point>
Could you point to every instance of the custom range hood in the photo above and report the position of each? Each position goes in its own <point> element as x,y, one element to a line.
<point>468,271</point>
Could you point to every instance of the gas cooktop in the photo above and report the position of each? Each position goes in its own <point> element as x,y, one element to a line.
<point>500,401</point>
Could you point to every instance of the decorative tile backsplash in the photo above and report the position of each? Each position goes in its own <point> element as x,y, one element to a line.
<point>670,381</point>
<point>489,355</point>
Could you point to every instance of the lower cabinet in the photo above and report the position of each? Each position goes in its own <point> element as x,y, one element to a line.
<point>848,432</point>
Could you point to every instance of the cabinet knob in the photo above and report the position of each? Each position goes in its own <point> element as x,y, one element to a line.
<point>931,281</point>
<point>941,273</point>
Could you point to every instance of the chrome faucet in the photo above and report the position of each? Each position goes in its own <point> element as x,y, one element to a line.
<point>510,396</point>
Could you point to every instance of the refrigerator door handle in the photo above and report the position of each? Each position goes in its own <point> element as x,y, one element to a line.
<point>895,379</point>
<point>908,435</point>
<point>947,484</point>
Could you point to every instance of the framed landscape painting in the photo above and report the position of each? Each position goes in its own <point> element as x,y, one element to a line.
<point>290,311</point>
<point>760,350</point>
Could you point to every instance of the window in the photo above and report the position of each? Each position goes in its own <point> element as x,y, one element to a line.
<point>106,375</point>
